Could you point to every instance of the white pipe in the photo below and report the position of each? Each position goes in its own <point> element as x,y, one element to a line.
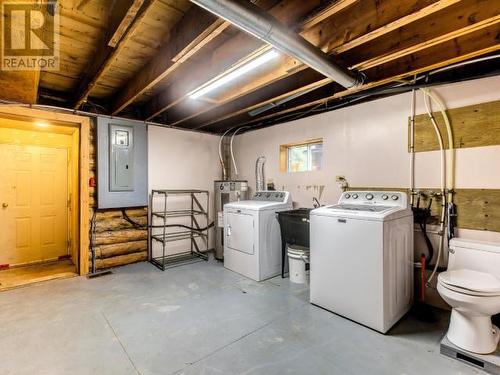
<point>443,183</point>
<point>450,179</point>
<point>439,138</point>
<point>231,149</point>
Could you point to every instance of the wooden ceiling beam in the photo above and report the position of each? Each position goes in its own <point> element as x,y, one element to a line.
<point>239,47</point>
<point>470,12</point>
<point>463,48</point>
<point>194,31</point>
<point>466,17</point>
<point>120,23</point>
<point>326,11</point>
<point>289,66</point>
<point>105,55</point>
<point>396,24</point>
<point>292,85</point>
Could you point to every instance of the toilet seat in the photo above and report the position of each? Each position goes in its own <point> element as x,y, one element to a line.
<point>470,282</point>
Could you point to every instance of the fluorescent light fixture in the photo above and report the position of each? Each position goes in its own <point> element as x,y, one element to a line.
<point>251,65</point>
<point>42,124</point>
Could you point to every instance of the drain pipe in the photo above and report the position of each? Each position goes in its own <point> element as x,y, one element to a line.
<point>257,22</point>
<point>412,148</point>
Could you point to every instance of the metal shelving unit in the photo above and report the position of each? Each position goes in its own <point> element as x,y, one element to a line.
<point>165,231</point>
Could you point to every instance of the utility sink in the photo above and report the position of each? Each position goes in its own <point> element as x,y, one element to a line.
<point>294,225</point>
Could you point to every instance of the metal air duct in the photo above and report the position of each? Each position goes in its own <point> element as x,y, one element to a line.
<point>254,20</point>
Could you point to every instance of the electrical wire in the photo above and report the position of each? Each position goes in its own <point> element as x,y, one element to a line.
<point>92,235</point>
<point>141,226</point>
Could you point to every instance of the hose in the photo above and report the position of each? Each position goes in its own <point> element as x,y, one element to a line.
<point>443,183</point>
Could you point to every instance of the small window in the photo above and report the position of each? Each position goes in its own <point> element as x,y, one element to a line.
<point>301,157</point>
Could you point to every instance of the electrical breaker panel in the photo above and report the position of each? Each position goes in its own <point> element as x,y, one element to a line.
<point>121,158</point>
<point>122,163</point>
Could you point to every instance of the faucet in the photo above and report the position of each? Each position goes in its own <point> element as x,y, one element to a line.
<point>316,203</point>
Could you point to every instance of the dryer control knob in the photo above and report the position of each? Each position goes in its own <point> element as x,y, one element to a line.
<point>355,196</point>
<point>369,196</point>
<point>385,197</point>
<point>395,197</point>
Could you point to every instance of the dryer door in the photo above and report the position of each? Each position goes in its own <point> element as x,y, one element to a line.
<point>240,232</point>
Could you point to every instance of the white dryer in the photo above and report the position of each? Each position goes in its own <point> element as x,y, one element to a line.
<point>362,257</point>
<point>252,239</point>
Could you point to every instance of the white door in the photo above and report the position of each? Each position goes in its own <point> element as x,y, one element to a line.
<point>33,204</point>
<point>240,232</point>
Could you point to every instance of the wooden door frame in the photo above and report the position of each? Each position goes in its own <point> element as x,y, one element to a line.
<point>83,125</point>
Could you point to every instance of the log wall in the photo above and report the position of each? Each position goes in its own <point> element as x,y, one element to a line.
<point>116,241</point>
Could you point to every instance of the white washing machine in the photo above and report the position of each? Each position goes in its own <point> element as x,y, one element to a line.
<point>362,257</point>
<point>252,239</point>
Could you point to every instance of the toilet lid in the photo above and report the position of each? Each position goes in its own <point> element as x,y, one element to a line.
<point>480,283</point>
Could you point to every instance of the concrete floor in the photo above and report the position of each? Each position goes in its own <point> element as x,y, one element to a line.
<point>200,319</point>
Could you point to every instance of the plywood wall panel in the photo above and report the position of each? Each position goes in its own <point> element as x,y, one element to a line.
<point>473,126</point>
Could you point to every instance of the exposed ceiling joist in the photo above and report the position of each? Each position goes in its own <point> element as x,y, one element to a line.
<point>105,54</point>
<point>376,61</point>
<point>257,22</point>
<point>195,30</point>
<point>119,22</point>
<point>385,25</point>
<point>396,24</point>
<point>176,94</point>
<point>323,13</point>
<point>456,22</point>
<point>467,47</point>
<point>292,85</point>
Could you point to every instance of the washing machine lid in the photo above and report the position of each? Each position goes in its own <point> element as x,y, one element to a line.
<point>475,282</point>
<point>362,211</point>
<point>254,205</point>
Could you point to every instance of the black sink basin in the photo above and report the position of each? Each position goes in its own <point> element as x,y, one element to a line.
<point>294,226</point>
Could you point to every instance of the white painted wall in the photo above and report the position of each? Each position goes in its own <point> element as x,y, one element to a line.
<point>183,160</point>
<point>367,144</point>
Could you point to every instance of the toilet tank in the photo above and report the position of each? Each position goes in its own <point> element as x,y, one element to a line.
<point>474,255</point>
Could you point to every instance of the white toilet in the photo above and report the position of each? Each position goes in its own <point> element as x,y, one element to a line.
<point>471,286</point>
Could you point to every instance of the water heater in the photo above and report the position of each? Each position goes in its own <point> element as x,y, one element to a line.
<point>226,191</point>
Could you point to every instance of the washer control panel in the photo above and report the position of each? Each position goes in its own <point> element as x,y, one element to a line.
<point>385,198</point>
<point>271,196</point>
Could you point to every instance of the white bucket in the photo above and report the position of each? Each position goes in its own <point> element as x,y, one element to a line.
<point>297,261</point>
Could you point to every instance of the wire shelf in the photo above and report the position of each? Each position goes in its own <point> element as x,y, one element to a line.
<point>197,233</point>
